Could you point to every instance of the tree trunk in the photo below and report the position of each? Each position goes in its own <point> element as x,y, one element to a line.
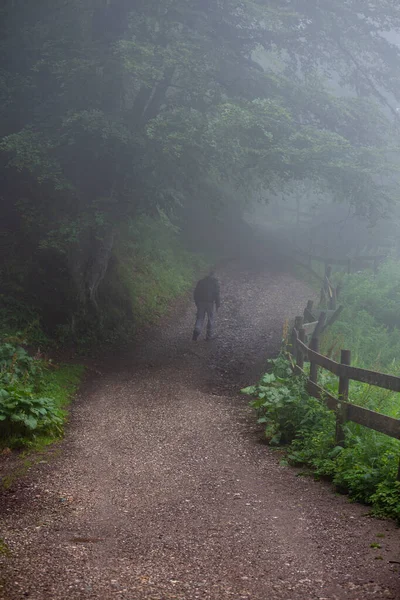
<point>98,267</point>
<point>158,97</point>
<point>88,262</point>
<point>140,103</point>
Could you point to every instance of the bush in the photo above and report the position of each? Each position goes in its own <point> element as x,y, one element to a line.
<point>283,405</point>
<point>16,366</point>
<point>26,409</point>
<point>366,468</point>
<point>19,322</point>
<point>21,413</point>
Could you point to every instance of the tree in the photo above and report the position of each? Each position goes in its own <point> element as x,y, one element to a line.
<point>350,40</point>
<point>136,107</point>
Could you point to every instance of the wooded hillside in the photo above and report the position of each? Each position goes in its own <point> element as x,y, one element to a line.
<point>179,111</point>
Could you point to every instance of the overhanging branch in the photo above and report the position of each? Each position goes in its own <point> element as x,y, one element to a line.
<point>367,78</point>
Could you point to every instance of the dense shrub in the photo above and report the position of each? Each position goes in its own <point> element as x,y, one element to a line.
<point>32,394</point>
<point>21,413</point>
<point>365,468</point>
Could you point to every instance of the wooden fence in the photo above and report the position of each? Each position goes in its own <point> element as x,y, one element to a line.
<point>351,264</point>
<point>305,346</point>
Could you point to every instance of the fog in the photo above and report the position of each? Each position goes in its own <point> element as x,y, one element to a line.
<point>203,117</point>
<point>199,261</point>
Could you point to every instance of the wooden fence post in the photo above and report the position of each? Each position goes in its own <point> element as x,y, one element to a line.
<point>298,324</point>
<point>308,316</point>
<point>332,300</point>
<point>320,325</point>
<point>314,345</point>
<point>349,266</point>
<point>341,413</point>
<point>299,355</point>
<point>328,270</point>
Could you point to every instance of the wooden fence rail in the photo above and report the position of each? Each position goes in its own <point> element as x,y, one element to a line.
<point>388,382</point>
<point>345,410</point>
<point>305,337</point>
<point>350,263</point>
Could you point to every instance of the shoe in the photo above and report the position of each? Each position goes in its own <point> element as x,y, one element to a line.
<point>195,336</point>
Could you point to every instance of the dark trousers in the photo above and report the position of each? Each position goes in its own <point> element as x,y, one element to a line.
<point>203,309</point>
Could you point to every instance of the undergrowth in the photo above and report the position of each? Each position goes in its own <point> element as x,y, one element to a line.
<point>34,391</point>
<point>370,323</point>
<point>149,269</point>
<point>34,394</point>
<point>365,468</point>
<point>154,267</point>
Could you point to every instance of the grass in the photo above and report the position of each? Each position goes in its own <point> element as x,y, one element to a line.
<point>366,467</point>
<point>154,268</point>
<point>149,269</point>
<point>61,384</point>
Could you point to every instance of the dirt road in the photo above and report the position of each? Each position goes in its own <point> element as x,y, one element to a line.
<point>162,489</point>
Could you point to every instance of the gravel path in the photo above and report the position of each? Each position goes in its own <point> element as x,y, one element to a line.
<point>162,489</point>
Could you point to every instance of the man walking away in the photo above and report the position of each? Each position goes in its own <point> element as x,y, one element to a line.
<point>207,299</point>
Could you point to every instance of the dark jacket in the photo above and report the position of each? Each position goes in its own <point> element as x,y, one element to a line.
<point>207,290</point>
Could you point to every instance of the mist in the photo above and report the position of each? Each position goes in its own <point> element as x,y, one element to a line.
<point>182,183</point>
<point>121,111</point>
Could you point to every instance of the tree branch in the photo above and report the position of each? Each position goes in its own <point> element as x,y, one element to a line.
<point>367,78</point>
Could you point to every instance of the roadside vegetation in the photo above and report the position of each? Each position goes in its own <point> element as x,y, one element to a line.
<point>150,269</point>
<point>134,136</point>
<point>34,396</point>
<point>366,467</point>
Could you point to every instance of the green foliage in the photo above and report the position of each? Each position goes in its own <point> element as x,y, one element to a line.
<point>378,295</point>
<point>150,268</point>
<point>31,152</point>
<point>21,413</point>
<point>147,106</point>
<point>277,403</point>
<point>22,410</point>
<point>16,366</point>
<point>385,500</point>
<point>61,382</point>
<point>370,323</point>
<point>366,468</point>
<point>369,459</point>
<point>31,398</point>
<point>20,322</point>
<point>154,267</point>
